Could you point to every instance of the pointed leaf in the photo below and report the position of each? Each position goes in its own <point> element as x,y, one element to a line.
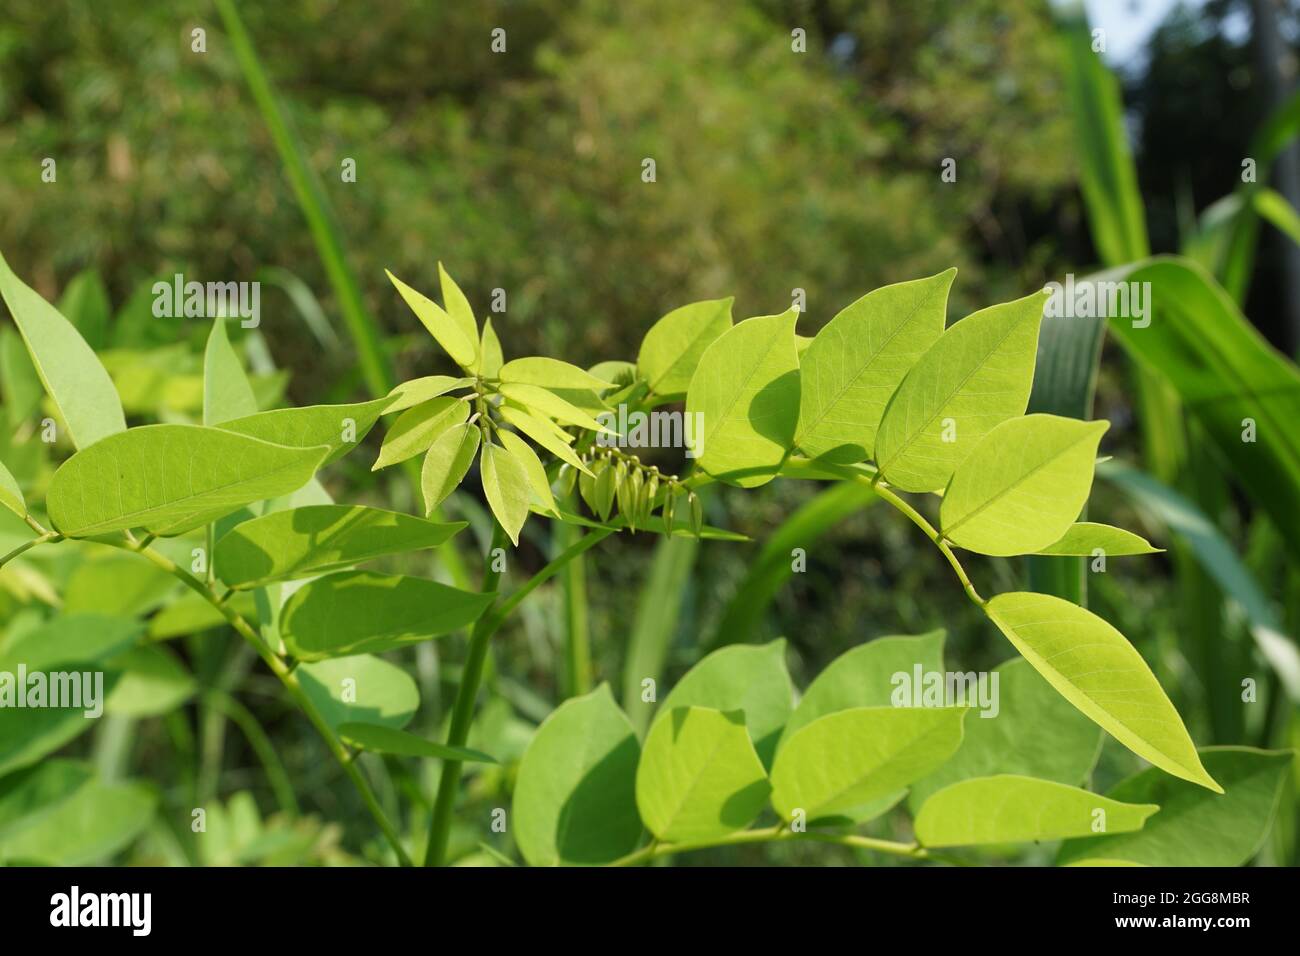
<point>68,368</point>
<point>302,542</point>
<point>1022,485</point>
<point>458,308</point>
<point>11,496</point>
<point>575,798</point>
<point>170,479</point>
<point>1098,671</point>
<point>747,390</point>
<point>379,739</point>
<point>457,340</point>
<point>360,689</point>
<point>447,462</point>
<point>95,822</point>
<point>418,390</point>
<point>416,429</point>
<point>505,484</point>
<point>671,350</point>
<point>1085,537</point>
<point>226,392</point>
<point>549,373</point>
<point>978,374</point>
<point>338,427</point>
<point>858,359</point>
<point>545,434</point>
<point>1195,827</point>
<point>1014,809</point>
<point>490,357</point>
<point>355,612</point>
<point>533,469</point>
<point>699,778</point>
<point>537,399</point>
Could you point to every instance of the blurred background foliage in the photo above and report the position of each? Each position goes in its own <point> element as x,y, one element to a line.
<point>521,171</point>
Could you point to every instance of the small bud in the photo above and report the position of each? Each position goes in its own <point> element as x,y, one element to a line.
<point>622,488</point>
<point>635,497</point>
<point>565,480</point>
<point>697,513</point>
<point>670,505</point>
<point>651,493</point>
<point>605,487</point>
<point>587,484</point>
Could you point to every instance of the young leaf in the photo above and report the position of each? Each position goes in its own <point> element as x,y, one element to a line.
<point>226,392</point>
<point>490,357</point>
<point>1014,809</point>
<point>1085,537</point>
<point>864,677</point>
<point>1195,827</point>
<point>68,368</point>
<point>458,339</point>
<point>672,348</point>
<point>170,479</point>
<point>978,374</point>
<point>1098,671</point>
<point>857,361</point>
<point>379,739</point>
<point>533,469</point>
<point>1022,485</point>
<point>419,427</point>
<point>458,307</point>
<point>747,390</point>
<point>338,427</point>
<point>845,760</point>
<point>360,689</point>
<point>545,434</point>
<point>549,373</point>
<point>746,678</point>
<point>1032,731</point>
<point>447,462</point>
<point>575,798</point>
<point>505,485</point>
<point>537,399</point>
<point>699,778</point>
<point>11,496</point>
<point>420,390</point>
<point>301,542</point>
<point>355,612</point>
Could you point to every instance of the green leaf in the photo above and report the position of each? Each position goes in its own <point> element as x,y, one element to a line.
<point>419,390</point>
<point>379,739</point>
<point>864,677</point>
<point>70,638</point>
<point>170,479</point>
<point>303,542</point>
<point>537,399</point>
<point>490,357</point>
<point>30,794</point>
<point>416,429</point>
<point>457,339</point>
<point>11,496</point>
<point>95,822</point>
<point>1014,809</point>
<point>85,304</point>
<point>117,584</point>
<point>20,386</point>
<point>671,350</point>
<point>533,469</point>
<point>845,760</point>
<point>68,368</point>
<point>459,310</point>
<point>575,797</point>
<point>505,485</point>
<point>858,359</point>
<point>747,390</point>
<point>361,689</point>
<point>1034,732</point>
<point>226,392</point>
<point>977,375</point>
<point>545,434</point>
<point>1022,485</point>
<point>745,678</point>
<point>1098,671</point>
<point>353,612</point>
<point>1195,827</point>
<point>699,778</point>
<point>549,373</point>
<point>152,682</point>
<point>658,617</point>
<point>1085,537</point>
<point>447,462</point>
<point>340,427</point>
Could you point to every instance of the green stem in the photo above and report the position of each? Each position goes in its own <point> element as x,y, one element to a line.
<point>577,633</point>
<point>290,681</point>
<point>462,715</point>
<point>276,774</point>
<point>28,545</point>
<point>776,834</point>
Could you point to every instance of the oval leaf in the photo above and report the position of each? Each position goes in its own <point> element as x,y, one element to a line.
<point>671,350</point>
<point>1022,485</point>
<point>1013,809</point>
<point>379,739</point>
<point>533,468</point>
<point>170,479</point>
<point>1087,537</point>
<point>360,689</point>
<point>305,541</point>
<point>575,799</point>
<point>549,373</point>
<point>699,777</point>
<point>447,462</point>
<point>353,612</point>
<point>418,428</point>
<point>11,496</point>
<point>1099,672</point>
<point>978,374</point>
<point>505,484</point>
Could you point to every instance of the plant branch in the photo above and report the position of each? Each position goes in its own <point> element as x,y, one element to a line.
<point>776,834</point>
<point>28,545</point>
